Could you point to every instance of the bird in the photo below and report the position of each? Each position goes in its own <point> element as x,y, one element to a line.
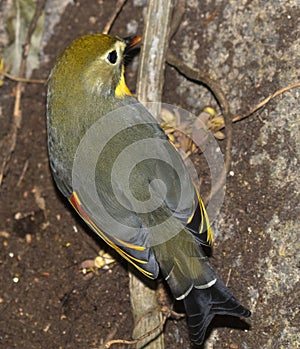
<point>114,163</point>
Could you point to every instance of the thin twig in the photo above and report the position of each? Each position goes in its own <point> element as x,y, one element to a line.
<point>23,173</point>
<point>170,313</point>
<point>260,105</point>
<point>19,79</point>
<point>228,277</point>
<point>113,332</point>
<point>167,313</point>
<point>265,101</point>
<point>147,313</point>
<point>202,77</point>
<point>114,16</point>
<point>135,341</point>
<point>198,75</point>
<point>212,16</point>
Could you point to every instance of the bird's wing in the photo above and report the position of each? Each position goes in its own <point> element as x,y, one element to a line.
<point>140,256</point>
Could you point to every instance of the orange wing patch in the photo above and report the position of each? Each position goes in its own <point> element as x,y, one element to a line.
<point>75,201</point>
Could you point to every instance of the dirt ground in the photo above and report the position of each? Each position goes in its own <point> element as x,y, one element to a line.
<point>46,301</point>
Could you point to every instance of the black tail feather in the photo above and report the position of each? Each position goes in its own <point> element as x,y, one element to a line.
<point>203,304</point>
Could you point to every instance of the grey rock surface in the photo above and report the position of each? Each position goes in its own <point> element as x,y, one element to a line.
<point>252,48</point>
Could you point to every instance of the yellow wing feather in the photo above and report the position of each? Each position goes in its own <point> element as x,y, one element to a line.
<point>75,201</point>
<point>204,218</point>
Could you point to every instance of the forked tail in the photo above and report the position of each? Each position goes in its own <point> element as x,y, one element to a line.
<point>203,304</point>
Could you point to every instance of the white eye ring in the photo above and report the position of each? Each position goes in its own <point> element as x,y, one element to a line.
<point>112,57</point>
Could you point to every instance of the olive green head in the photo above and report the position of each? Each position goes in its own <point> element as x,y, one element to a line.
<point>94,63</point>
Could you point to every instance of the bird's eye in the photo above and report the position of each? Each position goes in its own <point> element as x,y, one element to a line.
<point>112,57</point>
